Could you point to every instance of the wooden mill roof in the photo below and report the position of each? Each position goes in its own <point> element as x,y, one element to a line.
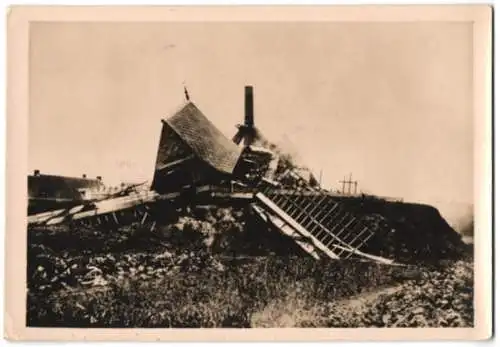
<point>206,141</point>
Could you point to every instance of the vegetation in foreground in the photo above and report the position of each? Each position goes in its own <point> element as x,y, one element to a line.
<point>181,275</point>
<point>132,278</point>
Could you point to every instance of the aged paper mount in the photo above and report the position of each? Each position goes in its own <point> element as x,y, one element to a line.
<point>21,20</point>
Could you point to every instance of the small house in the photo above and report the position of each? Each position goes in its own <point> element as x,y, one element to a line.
<point>192,152</point>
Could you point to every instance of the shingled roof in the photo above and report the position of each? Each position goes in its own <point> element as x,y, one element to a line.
<point>207,142</point>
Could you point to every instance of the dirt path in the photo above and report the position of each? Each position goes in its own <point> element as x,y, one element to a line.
<point>295,312</point>
<point>358,301</point>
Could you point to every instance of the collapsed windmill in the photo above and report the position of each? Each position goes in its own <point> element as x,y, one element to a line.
<point>197,165</point>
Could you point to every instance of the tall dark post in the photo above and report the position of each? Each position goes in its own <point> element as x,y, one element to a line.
<point>249,106</point>
<point>350,182</point>
<point>247,131</point>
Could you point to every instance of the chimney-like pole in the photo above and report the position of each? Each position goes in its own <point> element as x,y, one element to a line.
<point>249,122</point>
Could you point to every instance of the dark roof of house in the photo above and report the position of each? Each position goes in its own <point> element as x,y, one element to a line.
<point>206,141</point>
<point>61,187</point>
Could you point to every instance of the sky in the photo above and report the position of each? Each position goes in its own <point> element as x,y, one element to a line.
<point>390,103</point>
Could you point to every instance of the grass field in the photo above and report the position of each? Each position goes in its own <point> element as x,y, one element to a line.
<point>130,278</point>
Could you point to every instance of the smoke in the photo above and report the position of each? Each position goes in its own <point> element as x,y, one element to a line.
<point>283,149</point>
<point>460,216</point>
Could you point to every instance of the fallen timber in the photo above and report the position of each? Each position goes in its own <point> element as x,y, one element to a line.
<point>287,230</point>
<point>196,165</point>
<point>101,208</point>
<point>315,233</point>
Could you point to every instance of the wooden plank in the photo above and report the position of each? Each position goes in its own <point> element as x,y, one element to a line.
<point>45,216</point>
<point>352,232</point>
<point>117,204</point>
<point>357,237</point>
<point>304,218</point>
<point>144,218</point>
<point>326,236</point>
<point>114,217</point>
<point>174,163</point>
<point>346,226</point>
<point>371,234</point>
<point>369,256</point>
<point>315,217</point>
<point>286,230</point>
<point>290,203</point>
<point>335,237</point>
<point>262,198</point>
<point>339,222</point>
<point>238,196</point>
<point>307,204</point>
<point>328,217</point>
<point>319,204</point>
<point>105,207</point>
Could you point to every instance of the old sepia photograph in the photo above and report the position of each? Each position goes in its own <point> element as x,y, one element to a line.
<point>251,174</point>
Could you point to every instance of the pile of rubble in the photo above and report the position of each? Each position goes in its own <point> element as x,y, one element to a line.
<point>409,233</point>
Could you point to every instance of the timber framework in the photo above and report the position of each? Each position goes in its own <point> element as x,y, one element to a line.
<point>197,164</point>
